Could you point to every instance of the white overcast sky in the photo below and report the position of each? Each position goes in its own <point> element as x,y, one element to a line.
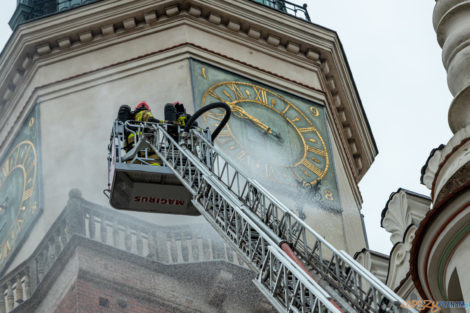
<point>396,63</point>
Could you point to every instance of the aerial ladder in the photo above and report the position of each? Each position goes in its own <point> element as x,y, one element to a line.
<point>296,269</point>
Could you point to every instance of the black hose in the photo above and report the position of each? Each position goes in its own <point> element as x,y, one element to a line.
<point>206,108</point>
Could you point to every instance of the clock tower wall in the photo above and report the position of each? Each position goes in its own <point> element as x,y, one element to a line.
<point>75,126</point>
<point>78,67</point>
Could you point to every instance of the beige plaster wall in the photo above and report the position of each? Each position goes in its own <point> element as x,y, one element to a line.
<point>75,131</point>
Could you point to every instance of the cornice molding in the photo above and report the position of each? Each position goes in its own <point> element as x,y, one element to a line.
<point>444,163</point>
<point>105,21</point>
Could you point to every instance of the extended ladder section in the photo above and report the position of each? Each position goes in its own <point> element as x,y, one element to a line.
<point>257,226</point>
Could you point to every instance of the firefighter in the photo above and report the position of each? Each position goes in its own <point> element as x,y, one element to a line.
<point>142,113</point>
<point>176,117</point>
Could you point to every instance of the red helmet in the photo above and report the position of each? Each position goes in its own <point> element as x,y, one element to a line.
<point>142,104</point>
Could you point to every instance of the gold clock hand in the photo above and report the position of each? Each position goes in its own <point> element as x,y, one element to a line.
<point>243,114</point>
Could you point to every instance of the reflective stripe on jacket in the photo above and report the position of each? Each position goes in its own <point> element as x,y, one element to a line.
<point>143,116</point>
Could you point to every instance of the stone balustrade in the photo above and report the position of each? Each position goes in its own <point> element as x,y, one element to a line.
<point>164,244</point>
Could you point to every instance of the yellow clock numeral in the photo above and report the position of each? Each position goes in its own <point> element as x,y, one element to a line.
<point>315,160</point>
<point>296,119</point>
<point>19,154</point>
<point>312,167</point>
<point>248,93</point>
<point>285,109</point>
<point>4,250</point>
<point>29,168</point>
<point>261,95</point>
<point>312,140</point>
<point>328,195</point>
<point>314,111</point>
<point>27,154</point>
<point>238,93</point>
<point>27,194</point>
<point>215,95</point>
<point>273,173</point>
<point>6,168</point>
<point>228,95</point>
<point>306,129</point>
<point>317,151</point>
<point>241,155</point>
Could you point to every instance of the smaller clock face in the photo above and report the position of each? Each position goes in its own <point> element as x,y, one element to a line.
<point>11,194</point>
<point>19,194</point>
<point>17,185</point>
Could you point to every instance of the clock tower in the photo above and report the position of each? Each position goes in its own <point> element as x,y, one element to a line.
<point>298,127</point>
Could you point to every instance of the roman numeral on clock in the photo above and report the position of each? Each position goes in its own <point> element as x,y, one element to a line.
<point>312,167</point>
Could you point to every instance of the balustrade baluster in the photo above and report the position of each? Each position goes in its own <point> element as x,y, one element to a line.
<point>190,244</point>
<point>62,237</point>
<point>179,249</point>
<point>173,249</point>
<point>162,248</point>
<point>19,290</point>
<point>57,246</point>
<point>40,263</point>
<point>103,230</point>
<point>10,297</point>
<point>91,226</point>
<point>50,255</point>
<point>27,287</point>
<point>200,249</point>
<point>67,232</point>
<point>128,239</point>
<point>139,243</point>
<point>152,246</point>
<point>3,308</point>
<point>116,240</point>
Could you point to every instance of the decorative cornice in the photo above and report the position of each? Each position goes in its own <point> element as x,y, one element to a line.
<point>439,157</point>
<point>429,169</point>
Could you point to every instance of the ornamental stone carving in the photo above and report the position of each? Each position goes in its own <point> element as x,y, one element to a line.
<point>430,168</point>
<point>404,208</point>
<point>400,259</point>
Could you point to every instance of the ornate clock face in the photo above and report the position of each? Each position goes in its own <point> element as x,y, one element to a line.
<point>18,192</point>
<point>263,116</point>
<point>282,140</point>
<point>17,178</point>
